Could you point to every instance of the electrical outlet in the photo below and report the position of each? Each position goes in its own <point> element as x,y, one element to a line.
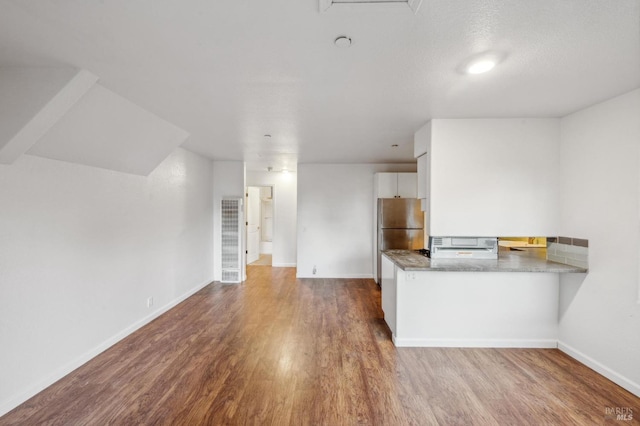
<point>314,269</point>
<point>149,302</point>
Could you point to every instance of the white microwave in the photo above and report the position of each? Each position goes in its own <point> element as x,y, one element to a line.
<point>463,247</point>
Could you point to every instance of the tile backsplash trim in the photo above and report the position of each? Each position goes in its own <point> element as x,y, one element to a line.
<point>570,251</point>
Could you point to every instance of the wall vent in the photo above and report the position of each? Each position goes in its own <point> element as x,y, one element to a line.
<point>231,234</point>
<point>414,5</point>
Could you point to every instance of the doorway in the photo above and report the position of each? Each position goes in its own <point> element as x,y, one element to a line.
<point>259,215</point>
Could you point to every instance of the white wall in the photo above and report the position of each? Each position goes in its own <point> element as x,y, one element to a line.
<point>600,314</point>
<point>228,182</point>
<point>335,218</point>
<point>284,213</point>
<point>81,250</point>
<point>494,177</point>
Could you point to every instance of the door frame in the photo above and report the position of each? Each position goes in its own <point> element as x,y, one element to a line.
<point>273,230</point>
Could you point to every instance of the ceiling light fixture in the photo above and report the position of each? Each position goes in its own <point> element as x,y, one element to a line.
<point>482,62</point>
<point>342,41</point>
<point>481,66</point>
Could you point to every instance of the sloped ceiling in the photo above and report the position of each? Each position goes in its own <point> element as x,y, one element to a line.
<point>32,100</point>
<point>105,130</point>
<point>231,72</point>
<point>63,114</point>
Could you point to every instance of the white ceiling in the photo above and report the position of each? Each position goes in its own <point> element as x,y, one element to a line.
<point>229,72</point>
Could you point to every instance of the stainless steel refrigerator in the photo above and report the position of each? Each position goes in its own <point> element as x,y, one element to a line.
<point>400,226</point>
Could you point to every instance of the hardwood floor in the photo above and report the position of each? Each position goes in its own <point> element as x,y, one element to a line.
<point>263,260</point>
<point>278,351</point>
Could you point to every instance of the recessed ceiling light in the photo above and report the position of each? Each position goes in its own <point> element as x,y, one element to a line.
<point>343,41</point>
<point>480,66</point>
<point>267,137</point>
<point>481,62</point>
<point>395,145</point>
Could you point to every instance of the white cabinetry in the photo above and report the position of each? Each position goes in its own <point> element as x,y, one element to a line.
<point>387,185</point>
<point>407,185</point>
<point>396,185</point>
<point>423,176</point>
<point>462,309</point>
<point>388,291</point>
<point>422,151</point>
<point>390,185</point>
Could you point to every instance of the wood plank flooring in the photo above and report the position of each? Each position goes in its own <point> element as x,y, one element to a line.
<point>263,260</point>
<point>280,351</point>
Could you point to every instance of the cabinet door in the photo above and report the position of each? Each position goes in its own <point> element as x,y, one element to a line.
<point>388,293</point>
<point>387,185</point>
<point>407,185</point>
<point>422,176</point>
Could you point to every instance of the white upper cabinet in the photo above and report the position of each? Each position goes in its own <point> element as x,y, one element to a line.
<point>387,185</point>
<point>422,151</point>
<point>423,176</point>
<point>396,185</point>
<point>407,185</point>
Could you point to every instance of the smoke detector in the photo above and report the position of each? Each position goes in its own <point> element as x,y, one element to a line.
<point>342,41</point>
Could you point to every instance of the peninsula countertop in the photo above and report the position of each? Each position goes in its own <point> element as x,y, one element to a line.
<point>531,260</point>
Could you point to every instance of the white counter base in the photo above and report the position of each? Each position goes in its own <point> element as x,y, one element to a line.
<point>467,309</point>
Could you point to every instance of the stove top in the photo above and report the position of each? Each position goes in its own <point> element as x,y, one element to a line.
<point>424,252</point>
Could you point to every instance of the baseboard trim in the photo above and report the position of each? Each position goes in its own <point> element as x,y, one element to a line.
<point>475,343</point>
<point>340,277</point>
<point>360,276</point>
<point>283,265</point>
<point>13,402</point>
<point>600,368</point>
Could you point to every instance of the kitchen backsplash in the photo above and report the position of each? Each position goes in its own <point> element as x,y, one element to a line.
<point>570,251</point>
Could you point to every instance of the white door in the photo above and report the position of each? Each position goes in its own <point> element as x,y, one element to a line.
<point>266,213</point>
<point>253,224</point>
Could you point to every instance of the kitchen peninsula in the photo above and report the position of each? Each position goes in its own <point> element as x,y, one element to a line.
<point>508,302</point>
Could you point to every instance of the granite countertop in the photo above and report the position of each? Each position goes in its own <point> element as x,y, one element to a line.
<point>528,260</point>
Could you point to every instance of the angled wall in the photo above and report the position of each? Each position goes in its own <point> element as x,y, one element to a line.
<point>81,251</point>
